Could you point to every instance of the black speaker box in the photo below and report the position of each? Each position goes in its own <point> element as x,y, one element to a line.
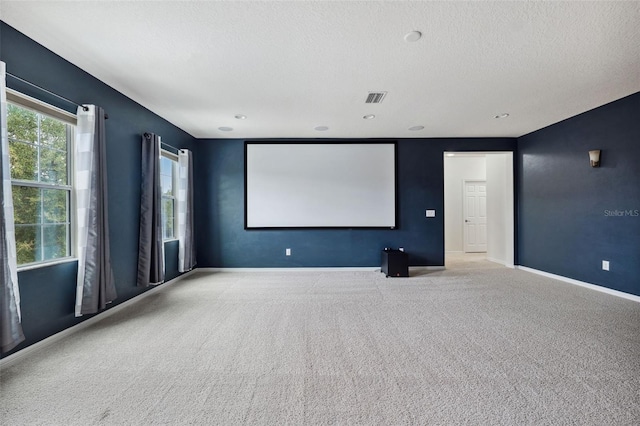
<point>395,263</point>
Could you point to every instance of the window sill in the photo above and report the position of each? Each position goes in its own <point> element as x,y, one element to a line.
<point>169,240</point>
<point>31,266</point>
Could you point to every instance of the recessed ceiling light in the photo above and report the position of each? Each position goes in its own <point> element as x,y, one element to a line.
<point>369,117</point>
<point>321,128</point>
<point>503,115</point>
<point>225,129</point>
<point>414,128</point>
<point>412,36</point>
<point>241,116</point>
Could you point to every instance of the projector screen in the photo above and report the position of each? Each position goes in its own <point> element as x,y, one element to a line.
<point>320,185</point>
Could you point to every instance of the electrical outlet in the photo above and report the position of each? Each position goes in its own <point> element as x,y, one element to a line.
<point>605,265</point>
<point>287,252</point>
<point>431,213</point>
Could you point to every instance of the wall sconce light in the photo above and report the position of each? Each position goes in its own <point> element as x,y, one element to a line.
<point>594,157</point>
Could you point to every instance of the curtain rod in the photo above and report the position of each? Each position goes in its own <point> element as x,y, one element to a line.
<point>85,108</point>
<point>148,135</point>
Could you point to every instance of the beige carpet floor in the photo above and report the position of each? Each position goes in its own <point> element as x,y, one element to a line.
<point>476,345</point>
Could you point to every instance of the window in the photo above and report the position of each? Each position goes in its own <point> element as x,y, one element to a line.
<point>168,182</point>
<point>40,151</point>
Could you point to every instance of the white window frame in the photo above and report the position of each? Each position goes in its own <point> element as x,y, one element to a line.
<point>174,184</point>
<point>27,102</point>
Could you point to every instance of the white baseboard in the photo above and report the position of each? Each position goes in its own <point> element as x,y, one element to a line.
<point>428,268</point>
<point>6,361</point>
<point>501,262</point>
<point>312,269</point>
<point>582,284</point>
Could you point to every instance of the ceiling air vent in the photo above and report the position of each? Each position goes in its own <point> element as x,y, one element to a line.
<point>375,97</point>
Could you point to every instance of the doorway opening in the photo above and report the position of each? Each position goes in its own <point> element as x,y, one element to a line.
<point>479,208</point>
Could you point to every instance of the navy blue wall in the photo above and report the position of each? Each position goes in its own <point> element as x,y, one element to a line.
<point>223,241</point>
<point>48,293</point>
<point>564,227</point>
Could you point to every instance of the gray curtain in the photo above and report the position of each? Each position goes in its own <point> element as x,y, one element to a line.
<point>150,246</point>
<point>10,328</point>
<point>186,248</point>
<point>95,283</point>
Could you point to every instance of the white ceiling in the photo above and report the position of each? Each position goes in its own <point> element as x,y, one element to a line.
<point>293,66</point>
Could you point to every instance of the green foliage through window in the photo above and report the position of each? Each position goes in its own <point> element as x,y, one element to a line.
<point>168,171</point>
<point>38,151</point>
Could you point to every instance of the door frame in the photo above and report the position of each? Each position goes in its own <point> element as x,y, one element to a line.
<point>510,210</point>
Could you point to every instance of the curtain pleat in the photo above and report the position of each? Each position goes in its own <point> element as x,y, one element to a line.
<point>95,286</point>
<point>11,333</point>
<point>186,245</point>
<point>150,246</point>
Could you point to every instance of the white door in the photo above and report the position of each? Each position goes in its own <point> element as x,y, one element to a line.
<point>475,216</point>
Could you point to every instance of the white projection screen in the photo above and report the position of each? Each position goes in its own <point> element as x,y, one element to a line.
<point>320,185</point>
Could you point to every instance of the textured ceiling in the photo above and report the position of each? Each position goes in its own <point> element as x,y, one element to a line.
<point>293,66</point>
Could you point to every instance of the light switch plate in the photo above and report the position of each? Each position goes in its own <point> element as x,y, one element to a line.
<point>605,265</point>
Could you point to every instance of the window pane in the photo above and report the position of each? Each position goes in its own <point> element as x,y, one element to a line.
<point>39,153</point>
<point>26,205</point>
<point>165,165</point>
<point>166,176</point>
<point>53,166</point>
<point>24,160</point>
<point>167,217</point>
<point>54,241</point>
<point>22,124</point>
<point>53,133</point>
<point>26,249</point>
<point>55,205</point>
<point>166,184</point>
